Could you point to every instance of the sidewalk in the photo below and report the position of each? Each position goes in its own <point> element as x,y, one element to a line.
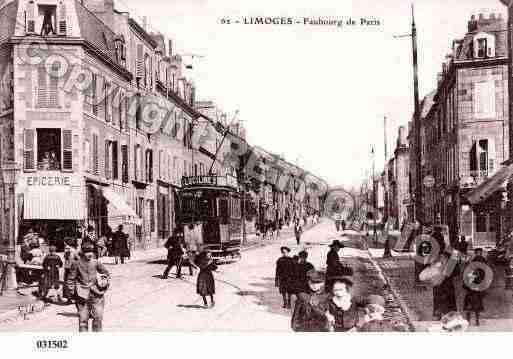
<point>399,271</point>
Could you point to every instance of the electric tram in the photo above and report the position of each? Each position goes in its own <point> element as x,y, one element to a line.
<point>210,215</point>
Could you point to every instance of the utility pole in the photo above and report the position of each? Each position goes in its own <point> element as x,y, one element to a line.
<point>416,123</point>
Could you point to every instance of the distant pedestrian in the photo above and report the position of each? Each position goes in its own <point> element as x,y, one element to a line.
<point>51,264</point>
<point>205,285</point>
<point>298,231</point>
<point>284,279</point>
<point>90,235</point>
<point>311,309</point>
<point>473,302</point>
<point>88,280</point>
<point>120,245</point>
<point>175,252</point>
<point>462,245</point>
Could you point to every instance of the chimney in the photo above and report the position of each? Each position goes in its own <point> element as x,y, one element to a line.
<point>170,46</point>
<point>444,68</point>
<point>481,17</point>
<point>145,23</point>
<point>472,24</point>
<point>401,138</point>
<point>439,78</point>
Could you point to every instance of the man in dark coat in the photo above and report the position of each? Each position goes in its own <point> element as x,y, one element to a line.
<point>284,278</point>
<point>120,245</point>
<point>300,273</point>
<point>310,310</point>
<point>83,282</point>
<point>444,294</point>
<point>334,267</point>
<point>175,251</point>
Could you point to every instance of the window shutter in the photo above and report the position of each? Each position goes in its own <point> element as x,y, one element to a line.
<point>152,215</point>
<point>95,155</point>
<point>31,17</point>
<point>101,94</point>
<point>53,93</point>
<point>62,28</point>
<point>124,163</point>
<point>139,65</point>
<point>94,95</point>
<point>492,167</point>
<point>42,87</point>
<point>67,150</point>
<point>29,150</point>
<point>107,160</point>
<point>87,156</point>
<point>107,102</point>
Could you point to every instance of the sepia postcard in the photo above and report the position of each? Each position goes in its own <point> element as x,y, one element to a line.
<point>255,166</point>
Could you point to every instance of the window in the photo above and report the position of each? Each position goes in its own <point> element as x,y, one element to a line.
<point>47,19</point>
<point>67,150</point>
<point>149,166</point>
<point>29,147</point>
<point>86,156</point>
<point>94,93</point>
<point>481,219</point>
<point>484,99</point>
<point>124,163</point>
<point>49,149</point>
<point>115,165</point>
<point>482,48</point>
<point>47,86</point>
<point>151,203</point>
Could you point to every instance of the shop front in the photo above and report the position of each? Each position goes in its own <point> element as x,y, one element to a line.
<point>51,205</point>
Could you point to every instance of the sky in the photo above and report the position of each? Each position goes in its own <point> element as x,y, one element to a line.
<point>316,94</point>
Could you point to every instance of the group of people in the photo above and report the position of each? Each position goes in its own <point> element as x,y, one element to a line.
<point>325,302</point>
<point>180,253</point>
<point>111,244</point>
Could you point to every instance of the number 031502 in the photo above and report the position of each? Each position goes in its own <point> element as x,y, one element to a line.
<point>52,344</point>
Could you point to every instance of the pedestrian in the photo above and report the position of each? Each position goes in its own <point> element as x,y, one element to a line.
<point>51,264</point>
<point>70,255</point>
<point>284,279</point>
<point>298,231</point>
<point>444,297</point>
<point>343,225</point>
<point>311,309</point>
<point>205,285</point>
<point>300,276</point>
<point>462,245</point>
<point>120,245</point>
<point>175,252</point>
<point>343,313</point>
<point>334,267</point>
<point>374,321</point>
<point>88,280</point>
<point>90,235</point>
<point>473,302</point>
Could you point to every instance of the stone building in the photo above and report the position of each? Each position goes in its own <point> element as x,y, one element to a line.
<point>464,132</point>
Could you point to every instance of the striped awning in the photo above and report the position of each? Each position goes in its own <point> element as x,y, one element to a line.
<point>53,203</point>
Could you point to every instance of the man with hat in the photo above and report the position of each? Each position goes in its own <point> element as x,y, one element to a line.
<point>88,280</point>
<point>334,267</point>
<point>373,319</point>
<point>284,279</point>
<point>311,310</point>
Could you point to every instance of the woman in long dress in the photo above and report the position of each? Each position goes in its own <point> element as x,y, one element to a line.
<point>205,285</point>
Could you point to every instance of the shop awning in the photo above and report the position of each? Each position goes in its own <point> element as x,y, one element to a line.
<point>122,208</point>
<point>48,203</point>
<point>491,185</point>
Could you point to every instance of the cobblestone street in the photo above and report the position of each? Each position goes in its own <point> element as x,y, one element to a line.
<point>246,298</point>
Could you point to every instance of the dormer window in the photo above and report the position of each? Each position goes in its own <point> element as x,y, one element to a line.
<point>120,50</point>
<point>484,46</point>
<point>47,16</point>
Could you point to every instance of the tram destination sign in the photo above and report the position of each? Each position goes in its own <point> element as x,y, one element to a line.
<point>228,181</point>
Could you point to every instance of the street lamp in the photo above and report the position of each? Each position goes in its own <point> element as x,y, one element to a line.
<point>10,170</point>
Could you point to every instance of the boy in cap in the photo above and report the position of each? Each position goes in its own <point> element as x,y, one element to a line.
<point>284,278</point>
<point>51,264</point>
<point>86,282</point>
<point>300,273</point>
<point>310,310</point>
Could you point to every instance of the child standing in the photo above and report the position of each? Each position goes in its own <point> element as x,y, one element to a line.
<point>205,285</point>
<point>51,264</point>
<point>284,279</point>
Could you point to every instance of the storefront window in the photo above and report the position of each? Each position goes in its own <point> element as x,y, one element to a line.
<point>48,149</point>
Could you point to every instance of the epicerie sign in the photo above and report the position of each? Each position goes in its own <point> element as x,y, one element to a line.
<point>48,181</point>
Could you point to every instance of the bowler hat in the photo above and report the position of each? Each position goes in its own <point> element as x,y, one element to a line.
<point>315,276</point>
<point>336,243</point>
<point>376,300</point>
<point>285,249</point>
